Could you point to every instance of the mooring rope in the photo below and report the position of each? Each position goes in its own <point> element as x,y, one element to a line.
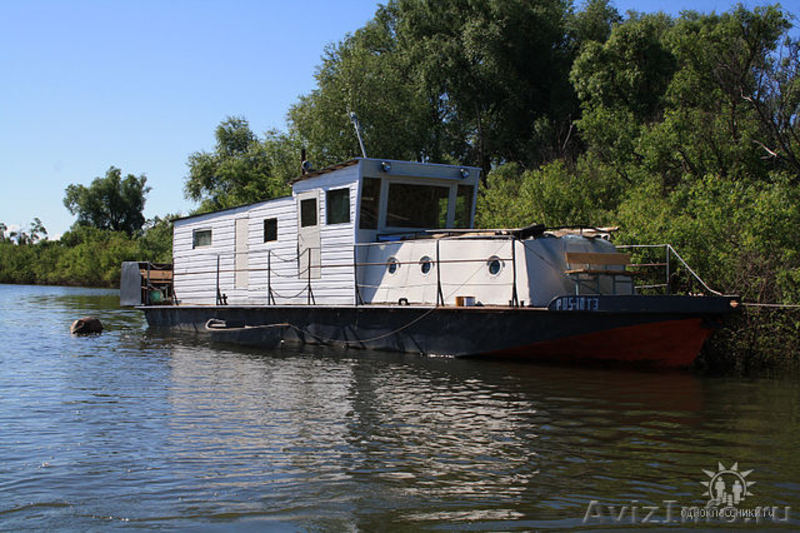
<point>771,306</point>
<point>323,340</point>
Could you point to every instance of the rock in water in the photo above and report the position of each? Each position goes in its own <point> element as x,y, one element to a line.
<point>86,326</point>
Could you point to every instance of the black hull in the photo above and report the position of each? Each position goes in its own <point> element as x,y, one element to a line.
<point>666,331</point>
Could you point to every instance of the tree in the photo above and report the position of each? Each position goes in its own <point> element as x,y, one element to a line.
<point>37,231</point>
<point>112,202</point>
<point>155,244</point>
<point>776,100</point>
<point>621,84</point>
<point>594,22</point>
<point>242,169</point>
<point>367,73</point>
<point>449,81</point>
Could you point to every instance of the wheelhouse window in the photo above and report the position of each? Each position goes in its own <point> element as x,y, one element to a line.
<point>417,206</point>
<point>464,197</point>
<point>337,206</point>
<point>270,229</point>
<point>201,238</point>
<point>370,202</point>
<point>308,212</point>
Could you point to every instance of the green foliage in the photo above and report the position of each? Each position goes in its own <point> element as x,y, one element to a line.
<point>367,74</point>
<point>553,195</point>
<point>690,134</point>
<point>109,203</point>
<point>84,256</point>
<point>155,244</point>
<point>593,23</point>
<point>242,169</point>
<point>473,82</point>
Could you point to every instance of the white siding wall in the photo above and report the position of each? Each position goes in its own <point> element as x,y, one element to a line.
<point>337,285</point>
<point>195,269</point>
<point>283,254</point>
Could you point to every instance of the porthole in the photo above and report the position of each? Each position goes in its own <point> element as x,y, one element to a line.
<point>425,265</point>
<point>494,265</point>
<point>392,265</point>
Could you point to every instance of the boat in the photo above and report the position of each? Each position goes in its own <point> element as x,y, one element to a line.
<point>383,254</point>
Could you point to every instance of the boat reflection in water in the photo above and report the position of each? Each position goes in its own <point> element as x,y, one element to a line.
<point>362,438</point>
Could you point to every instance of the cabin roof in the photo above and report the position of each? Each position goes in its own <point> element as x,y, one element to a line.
<point>187,217</point>
<point>316,173</point>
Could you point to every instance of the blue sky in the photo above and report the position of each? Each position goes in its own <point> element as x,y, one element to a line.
<point>141,85</point>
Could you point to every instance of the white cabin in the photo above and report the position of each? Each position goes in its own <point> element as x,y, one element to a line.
<point>373,231</point>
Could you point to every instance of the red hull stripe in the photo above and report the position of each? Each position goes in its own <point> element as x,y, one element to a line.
<point>674,343</point>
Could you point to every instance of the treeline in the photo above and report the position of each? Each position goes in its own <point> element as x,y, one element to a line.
<point>110,229</point>
<point>84,256</point>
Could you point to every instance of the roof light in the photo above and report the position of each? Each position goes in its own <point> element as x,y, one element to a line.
<point>464,173</point>
<point>386,166</point>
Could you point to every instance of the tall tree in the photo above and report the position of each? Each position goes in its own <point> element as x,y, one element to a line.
<point>367,73</point>
<point>242,169</point>
<point>499,70</point>
<point>111,202</point>
<point>447,80</point>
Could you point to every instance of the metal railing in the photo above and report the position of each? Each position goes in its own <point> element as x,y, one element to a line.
<point>672,283</point>
<point>653,257</point>
<point>305,268</point>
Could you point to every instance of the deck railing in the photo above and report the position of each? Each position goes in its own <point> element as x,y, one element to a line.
<point>677,276</point>
<point>650,259</point>
<point>306,268</point>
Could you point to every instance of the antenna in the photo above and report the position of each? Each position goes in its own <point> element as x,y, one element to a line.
<point>357,126</point>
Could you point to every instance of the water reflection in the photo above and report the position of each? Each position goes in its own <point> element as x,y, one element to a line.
<point>155,430</point>
<point>431,441</point>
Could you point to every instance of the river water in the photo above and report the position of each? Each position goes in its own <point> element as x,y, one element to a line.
<point>139,429</point>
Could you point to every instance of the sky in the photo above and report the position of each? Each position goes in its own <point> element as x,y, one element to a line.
<point>140,85</point>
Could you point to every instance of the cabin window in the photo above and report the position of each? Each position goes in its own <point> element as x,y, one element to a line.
<point>270,229</point>
<point>464,205</point>
<point>417,206</point>
<point>392,265</point>
<point>337,206</point>
<point>201,238</point>
<point>370,202</point>
<point>425,265</point>
<point>308,212</point>
<point>494,265</point>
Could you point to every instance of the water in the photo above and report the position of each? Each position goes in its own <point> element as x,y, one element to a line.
<point>138,429</point>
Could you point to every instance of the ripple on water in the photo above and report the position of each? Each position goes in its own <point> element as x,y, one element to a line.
<point>145,429</point>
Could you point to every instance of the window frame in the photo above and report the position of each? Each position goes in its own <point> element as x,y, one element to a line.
<point>196,232</point>
<point>272,220</point>
<point>344,192</point>
<point>369,214</point>
<point>442,223</point>
<point>302,213</point>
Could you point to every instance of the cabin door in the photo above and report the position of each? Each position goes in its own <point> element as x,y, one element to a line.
<point>242,262</point>
<point>308,239</point>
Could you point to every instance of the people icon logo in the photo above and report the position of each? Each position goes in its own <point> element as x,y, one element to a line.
<point>727,487</point>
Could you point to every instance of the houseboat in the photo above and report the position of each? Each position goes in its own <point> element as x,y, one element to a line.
<point>381,254</point>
